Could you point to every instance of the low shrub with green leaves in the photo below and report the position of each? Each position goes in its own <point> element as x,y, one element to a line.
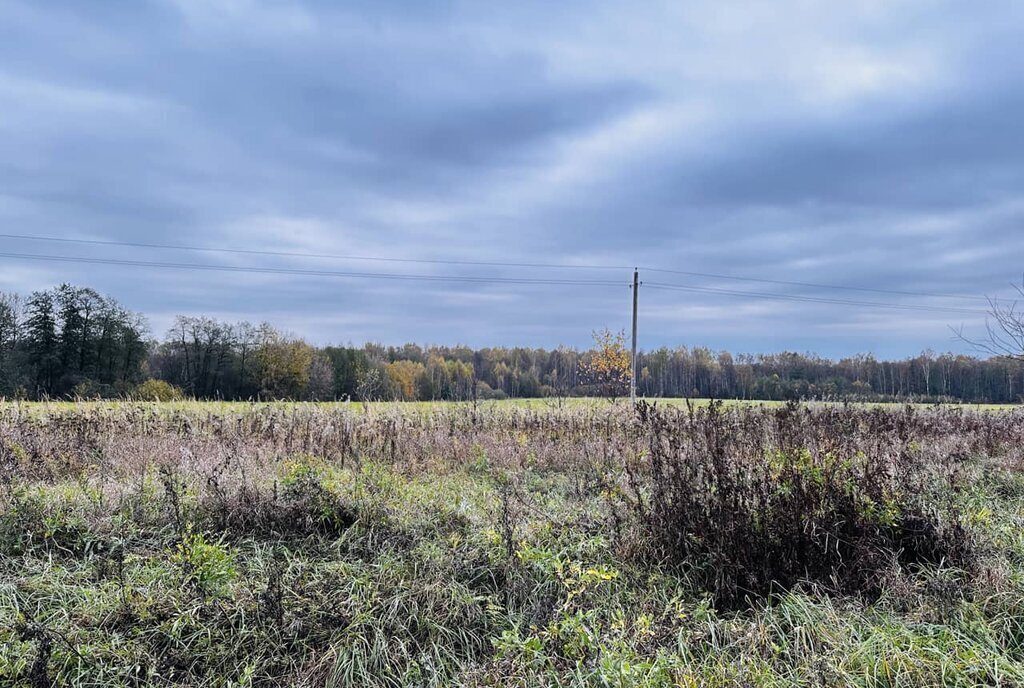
<point>157,390</point>
<point>200,545</point>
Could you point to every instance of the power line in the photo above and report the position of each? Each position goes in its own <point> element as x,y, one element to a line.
<point>427,261</point>
<point>814,285</point>
<point>811,299</point>
<point>312,273</point>
<point>300,254</point>
<point>473,279</point>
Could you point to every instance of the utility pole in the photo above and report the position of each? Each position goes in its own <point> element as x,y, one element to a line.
<point>632,364</point>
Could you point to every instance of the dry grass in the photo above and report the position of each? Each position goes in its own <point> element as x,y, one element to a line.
<point>509,545</point>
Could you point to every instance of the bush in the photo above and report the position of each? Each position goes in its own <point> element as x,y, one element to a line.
<point>210,566</point>
<point>90,390</point>
<point>302,504</point>
<point>157,390</point>
<point>485,391</point>
<point>752,514</point>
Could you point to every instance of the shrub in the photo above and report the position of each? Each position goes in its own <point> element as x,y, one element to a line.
<point>754,514</point>
<point>29,519</point>
<point>210,566</point>
<point>303,503</point>
<point>309,503</point>
<point>89,390</point>
<point>157,390</point>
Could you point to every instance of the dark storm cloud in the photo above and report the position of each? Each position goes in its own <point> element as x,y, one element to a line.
<point>872,144</point>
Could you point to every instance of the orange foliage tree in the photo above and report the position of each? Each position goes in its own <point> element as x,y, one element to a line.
<point>608,366</point>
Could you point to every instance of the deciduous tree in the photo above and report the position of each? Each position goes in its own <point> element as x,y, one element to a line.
<point>608,366</point>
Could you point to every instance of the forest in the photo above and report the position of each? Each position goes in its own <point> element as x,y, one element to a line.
<point>72,342</point>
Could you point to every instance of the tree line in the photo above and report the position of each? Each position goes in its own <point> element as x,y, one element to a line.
<point>71,342</point>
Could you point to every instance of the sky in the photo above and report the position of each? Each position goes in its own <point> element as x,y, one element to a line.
<point>868,145</point>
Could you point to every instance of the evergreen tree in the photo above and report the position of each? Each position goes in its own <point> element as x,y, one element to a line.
<point>42,340</point>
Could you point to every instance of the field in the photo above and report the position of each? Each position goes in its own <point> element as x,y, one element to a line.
<point>536,404</point>
<point>534,544</point>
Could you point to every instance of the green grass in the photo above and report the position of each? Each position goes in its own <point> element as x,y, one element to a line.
<point>539,404</point>
<point>217,553</point>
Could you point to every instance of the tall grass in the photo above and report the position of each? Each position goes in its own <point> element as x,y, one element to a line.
<point>757,504</point>
<point>459,546</point>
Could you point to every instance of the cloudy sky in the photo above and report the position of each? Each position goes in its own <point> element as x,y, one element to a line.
<point>869,144</point>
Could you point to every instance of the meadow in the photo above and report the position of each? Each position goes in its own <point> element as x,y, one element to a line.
<point>511,544</point>
<point>490,405</point>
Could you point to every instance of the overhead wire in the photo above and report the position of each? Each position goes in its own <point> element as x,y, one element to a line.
<point>329,256</point>
<point>815,285</point>
<point>811,299</point>
<point>508,264</point>
<point>479,279</point>
<point>311,273</point>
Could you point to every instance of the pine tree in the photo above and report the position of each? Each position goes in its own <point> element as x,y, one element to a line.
<point>42,340</point>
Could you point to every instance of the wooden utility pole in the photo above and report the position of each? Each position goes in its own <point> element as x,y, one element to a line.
<point>632,363</point>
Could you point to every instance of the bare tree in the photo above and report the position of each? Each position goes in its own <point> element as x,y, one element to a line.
<point>321,379</point>
<point>370,386</point>
<point>1004,329</point>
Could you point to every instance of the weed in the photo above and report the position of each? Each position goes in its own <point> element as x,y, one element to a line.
<point>472,546</point>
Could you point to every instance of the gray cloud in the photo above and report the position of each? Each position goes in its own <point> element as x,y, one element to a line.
<point>870,144</point>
